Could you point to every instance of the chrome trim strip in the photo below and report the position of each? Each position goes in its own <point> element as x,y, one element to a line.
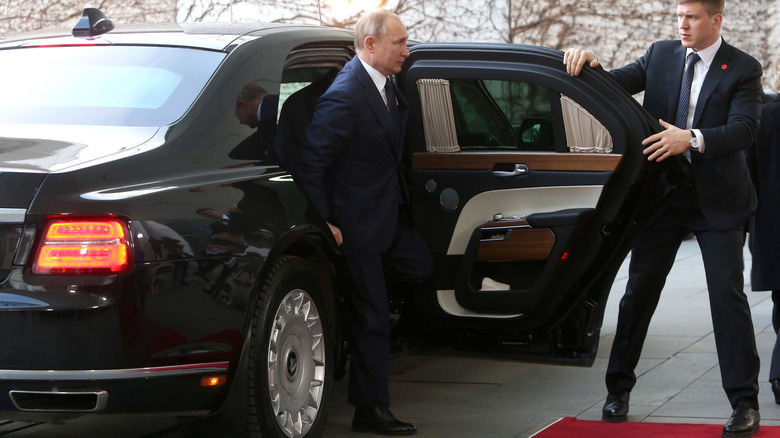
<point>507,227</point>
<point>117,374</point>
<point>12,215</point>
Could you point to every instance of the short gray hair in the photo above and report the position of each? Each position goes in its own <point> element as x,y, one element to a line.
<point>251,91</point>
<point>372,23</point>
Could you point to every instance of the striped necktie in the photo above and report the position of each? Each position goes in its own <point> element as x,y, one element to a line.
<point>681,119</point>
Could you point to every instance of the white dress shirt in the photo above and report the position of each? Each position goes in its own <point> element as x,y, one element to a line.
<point>378,78</point>
<point>699,73</point>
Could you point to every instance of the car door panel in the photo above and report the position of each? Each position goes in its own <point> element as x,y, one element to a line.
<point>519,202</point>
<point>528,185</point>
<point>469,189</point>
<point>516,257</point>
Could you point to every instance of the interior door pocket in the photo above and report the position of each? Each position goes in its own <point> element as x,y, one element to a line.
<point>509,256</point>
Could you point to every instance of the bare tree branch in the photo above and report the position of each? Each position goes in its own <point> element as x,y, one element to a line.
<point>618,31</point>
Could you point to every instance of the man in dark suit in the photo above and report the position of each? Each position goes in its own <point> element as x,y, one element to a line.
<point>764,162</point>
<point>349,169</point>
<point>257,109</point>
<point>715,109</point>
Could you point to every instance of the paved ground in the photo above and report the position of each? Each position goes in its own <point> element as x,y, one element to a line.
<point>449,396</point>
<point>679,379</point>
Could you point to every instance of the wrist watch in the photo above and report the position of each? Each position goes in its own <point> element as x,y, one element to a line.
<point>694,141</point>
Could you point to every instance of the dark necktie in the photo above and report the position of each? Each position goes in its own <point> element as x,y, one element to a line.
<point>681,119</point>
<point>392,101</point>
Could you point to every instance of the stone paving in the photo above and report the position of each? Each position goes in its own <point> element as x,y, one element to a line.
<point>679,379</point>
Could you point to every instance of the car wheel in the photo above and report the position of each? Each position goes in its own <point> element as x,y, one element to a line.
<point>290,369</point>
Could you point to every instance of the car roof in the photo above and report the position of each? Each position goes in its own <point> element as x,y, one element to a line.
<point>212,36</point>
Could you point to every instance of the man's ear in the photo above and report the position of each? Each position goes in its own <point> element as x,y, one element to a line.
<point>718,20</point>
<point>369,43</point>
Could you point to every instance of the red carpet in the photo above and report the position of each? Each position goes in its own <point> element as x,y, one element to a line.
<point>570,427</point>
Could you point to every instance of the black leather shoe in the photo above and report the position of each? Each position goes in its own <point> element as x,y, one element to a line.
<point>381,421</point>
<point>743,422</point>
<point>776,390</point>
<point>615,410</point>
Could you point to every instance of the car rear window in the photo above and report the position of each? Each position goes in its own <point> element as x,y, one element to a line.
<point>102,85</point>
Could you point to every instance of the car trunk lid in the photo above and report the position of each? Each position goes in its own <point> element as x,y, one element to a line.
<point>56,148</point>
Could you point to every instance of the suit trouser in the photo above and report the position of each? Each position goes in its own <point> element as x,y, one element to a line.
<point>408,260</point>
<point>774,367</point>
<point>651,260</point>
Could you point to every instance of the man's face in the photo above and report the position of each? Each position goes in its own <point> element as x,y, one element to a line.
<point>389,53</point>
<point>246,113</point>
<point>697,29</point>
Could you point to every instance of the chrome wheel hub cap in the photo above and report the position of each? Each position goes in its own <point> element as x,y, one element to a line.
<point>296,363</point>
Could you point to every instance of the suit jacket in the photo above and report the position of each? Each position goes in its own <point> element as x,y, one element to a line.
<point>764,233</point>
<point>294,117</point>
<point>727,113</point>
<point>348,165</point>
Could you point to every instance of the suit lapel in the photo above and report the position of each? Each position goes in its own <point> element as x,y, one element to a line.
<point>718,70</point>
<point>377,105</point>
<point>675,64</point>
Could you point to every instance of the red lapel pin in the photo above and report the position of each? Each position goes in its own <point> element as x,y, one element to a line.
<point>724,66</point>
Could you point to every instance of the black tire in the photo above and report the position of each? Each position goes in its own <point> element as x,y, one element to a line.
<point>291,355</point>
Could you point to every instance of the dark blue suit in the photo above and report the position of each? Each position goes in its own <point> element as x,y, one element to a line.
<point>349,169</point>
<point>715,209</point>
<point>764,232</point>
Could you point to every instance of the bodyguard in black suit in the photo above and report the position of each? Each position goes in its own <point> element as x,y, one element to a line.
<point>349,169</point>
<point>710,114</point>
<point>764,159</point>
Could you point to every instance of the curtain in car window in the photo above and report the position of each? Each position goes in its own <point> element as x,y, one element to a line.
<point>438,118</point>
<point>583,132</point>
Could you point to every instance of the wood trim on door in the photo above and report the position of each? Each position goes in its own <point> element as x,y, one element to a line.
<point>521,244</point>
<point>561,161</point>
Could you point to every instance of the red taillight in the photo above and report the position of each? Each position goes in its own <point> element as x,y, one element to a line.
<point>93,246</point>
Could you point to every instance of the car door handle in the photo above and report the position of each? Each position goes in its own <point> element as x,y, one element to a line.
<point>520,169</point>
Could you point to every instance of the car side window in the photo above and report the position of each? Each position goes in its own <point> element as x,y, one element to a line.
<point>308,73</point>
<point>474,115</point>
<point>502,115</point>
